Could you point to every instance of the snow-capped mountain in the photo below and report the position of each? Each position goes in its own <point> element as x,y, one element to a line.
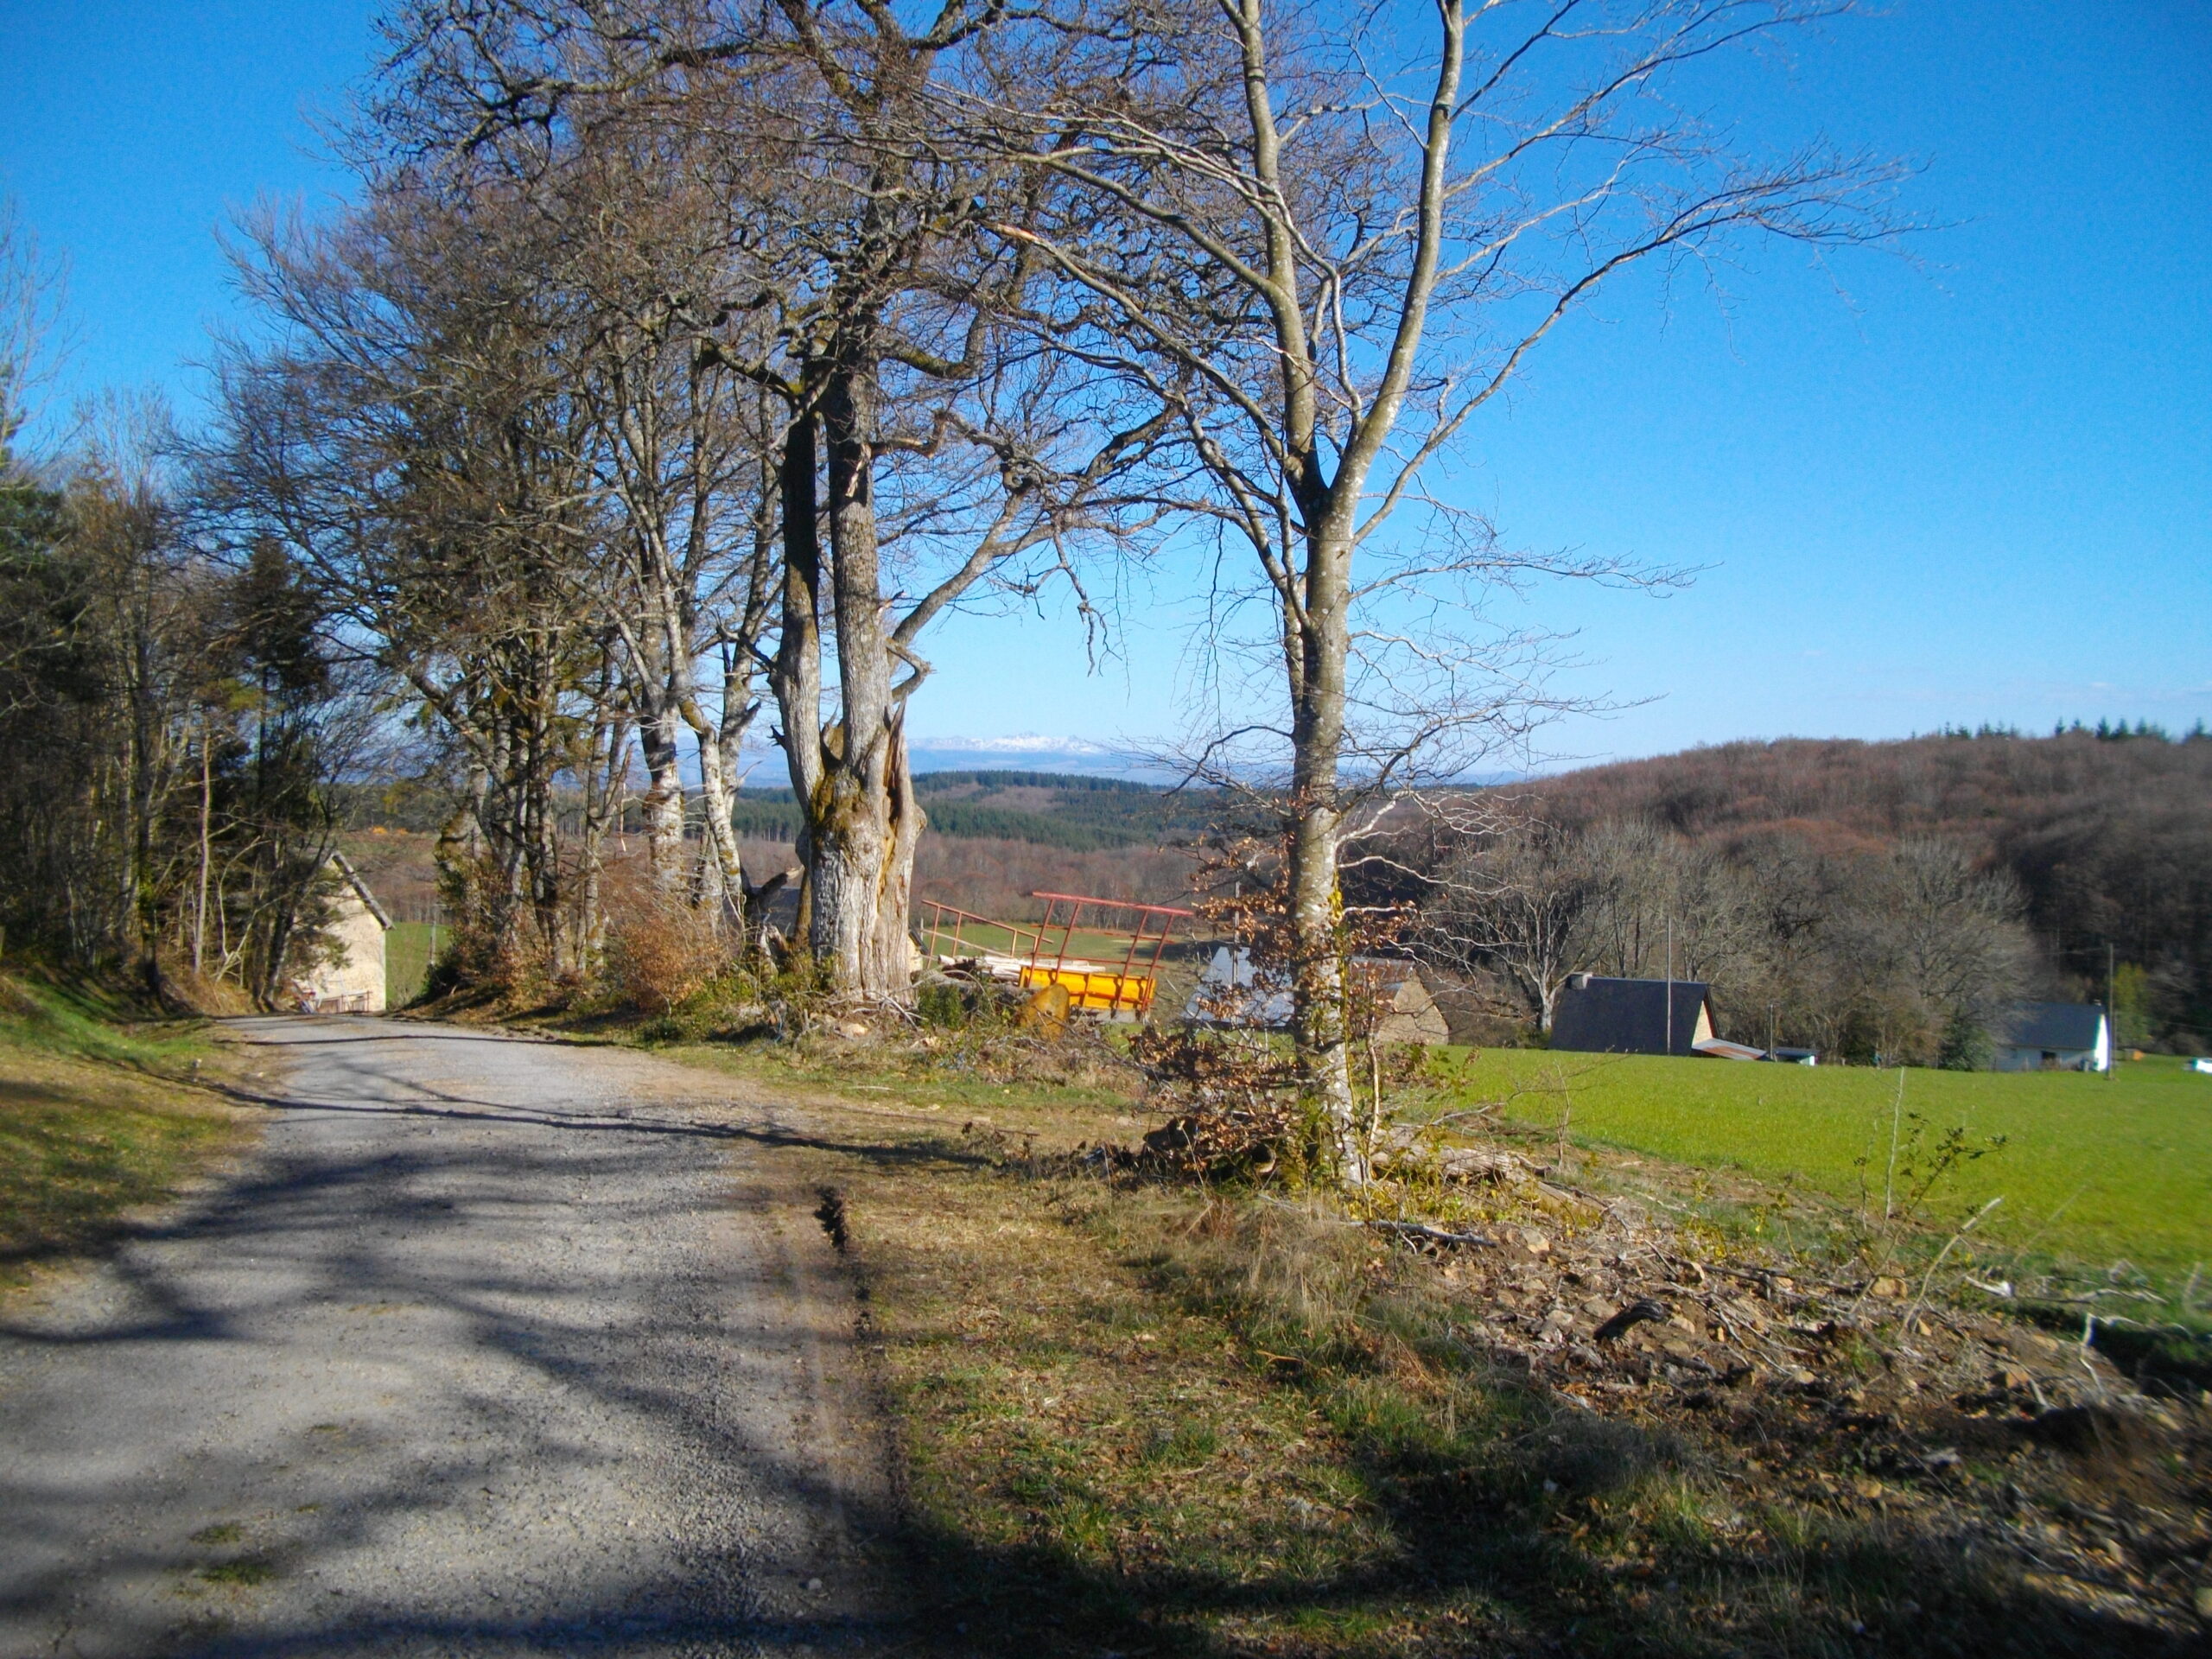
<point>1023,743</point>
<point>1027,752</point>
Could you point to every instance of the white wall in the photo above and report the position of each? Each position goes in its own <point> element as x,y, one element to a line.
<point>360,973</point>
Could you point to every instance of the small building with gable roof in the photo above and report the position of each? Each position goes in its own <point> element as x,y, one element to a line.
<point>2053,1037</point>
<point>350,979</point>
<point>1598,1015</point>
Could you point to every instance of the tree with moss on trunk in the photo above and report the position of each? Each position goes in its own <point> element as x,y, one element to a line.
<point>928,454</point>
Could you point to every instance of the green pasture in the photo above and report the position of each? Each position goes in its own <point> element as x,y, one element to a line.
<point>407,958</point>
<point>2094,1170</point>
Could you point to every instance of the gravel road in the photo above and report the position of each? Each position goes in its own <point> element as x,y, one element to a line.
<point>492,1346</point>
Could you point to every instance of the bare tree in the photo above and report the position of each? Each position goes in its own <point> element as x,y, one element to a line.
<point>408,433</point>
<point>1519,899</point>
<point>31,311</point>
<point>1935,949</point>
<point>681,446</point>
<point>927,456</point>
<point>1322,244</point>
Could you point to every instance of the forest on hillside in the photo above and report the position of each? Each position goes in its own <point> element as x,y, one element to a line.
<point>1862,898</point>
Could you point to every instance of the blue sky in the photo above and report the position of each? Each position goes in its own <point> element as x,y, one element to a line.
<point>1978,488</point>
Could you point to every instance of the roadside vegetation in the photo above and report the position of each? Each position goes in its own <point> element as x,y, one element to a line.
<point>101,1114</point>
<point>1138,1410</point>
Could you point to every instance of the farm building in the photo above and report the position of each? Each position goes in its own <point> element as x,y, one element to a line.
<point>353,983</point>
<point>2054,1037</point>
<point>1235,991</point>
<point>1598,1015</point>
<point>1411,1015</point>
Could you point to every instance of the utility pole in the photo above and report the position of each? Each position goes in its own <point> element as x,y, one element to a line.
<point>1670,985</point>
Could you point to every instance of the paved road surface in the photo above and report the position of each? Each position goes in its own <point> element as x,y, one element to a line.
<point>494,1346</point>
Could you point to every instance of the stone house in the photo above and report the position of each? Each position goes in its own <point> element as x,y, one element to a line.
<point>354,982</point>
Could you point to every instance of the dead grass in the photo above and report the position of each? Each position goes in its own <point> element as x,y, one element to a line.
<point>1137,1418</point>
<point>661,949</point>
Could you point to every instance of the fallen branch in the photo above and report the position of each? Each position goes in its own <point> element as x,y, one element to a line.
<point>1636,1313</point>
<point>1429,1235</point>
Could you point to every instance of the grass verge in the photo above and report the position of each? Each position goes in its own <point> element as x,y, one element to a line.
<point>1140,1418</point>
<point>410,951</point>
<point>98,1116</point>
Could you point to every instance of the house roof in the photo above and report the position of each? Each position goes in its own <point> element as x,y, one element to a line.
<point>1720,1048</point>
<point>1596,1015</point>
<point>1236,991</point>
<point>2074,1025</point>
<point>353,880</point>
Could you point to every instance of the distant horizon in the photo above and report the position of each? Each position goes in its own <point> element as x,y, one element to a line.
<point>1081,756</point>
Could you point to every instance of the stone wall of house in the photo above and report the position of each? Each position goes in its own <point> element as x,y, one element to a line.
<point>360,973</point>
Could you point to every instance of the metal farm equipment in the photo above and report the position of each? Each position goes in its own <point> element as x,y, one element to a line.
<point>1044,955</point>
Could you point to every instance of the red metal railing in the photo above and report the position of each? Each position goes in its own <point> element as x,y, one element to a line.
<point>1094,985</point>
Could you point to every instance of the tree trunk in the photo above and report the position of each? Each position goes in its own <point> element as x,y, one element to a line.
<point>207,817</point>
<point>860,820</point>
<point>865,822</point>
<point>662,804</point>
<point>725,881</point>
<point>796,677</point>
<point>1316,903</point>
<point>861,875</point>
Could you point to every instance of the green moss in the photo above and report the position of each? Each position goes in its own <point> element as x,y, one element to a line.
<point>245,1571</point>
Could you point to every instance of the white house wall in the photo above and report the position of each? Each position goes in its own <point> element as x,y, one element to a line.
<point>360,974</point>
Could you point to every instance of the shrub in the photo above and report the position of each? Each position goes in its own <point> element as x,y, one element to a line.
<point>661,949</point>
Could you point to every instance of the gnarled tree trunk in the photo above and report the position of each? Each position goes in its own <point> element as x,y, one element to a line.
<point>860,820</point>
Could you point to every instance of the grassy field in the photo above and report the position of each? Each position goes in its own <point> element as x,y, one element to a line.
<point>97,1118</point>
<point>407,958</point>
<point>2095,1169</point>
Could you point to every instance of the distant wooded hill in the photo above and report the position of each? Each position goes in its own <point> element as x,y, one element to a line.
<point>2108,833</point>
<point>1042,808</point>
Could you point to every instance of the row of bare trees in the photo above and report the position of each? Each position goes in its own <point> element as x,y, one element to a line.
<point>680,359</point>
<point>2109,838</point>
<point>1912,953</point>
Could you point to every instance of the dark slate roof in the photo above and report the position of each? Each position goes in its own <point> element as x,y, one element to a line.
<point>2057,1026</point>
<point>1625,1016</point>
